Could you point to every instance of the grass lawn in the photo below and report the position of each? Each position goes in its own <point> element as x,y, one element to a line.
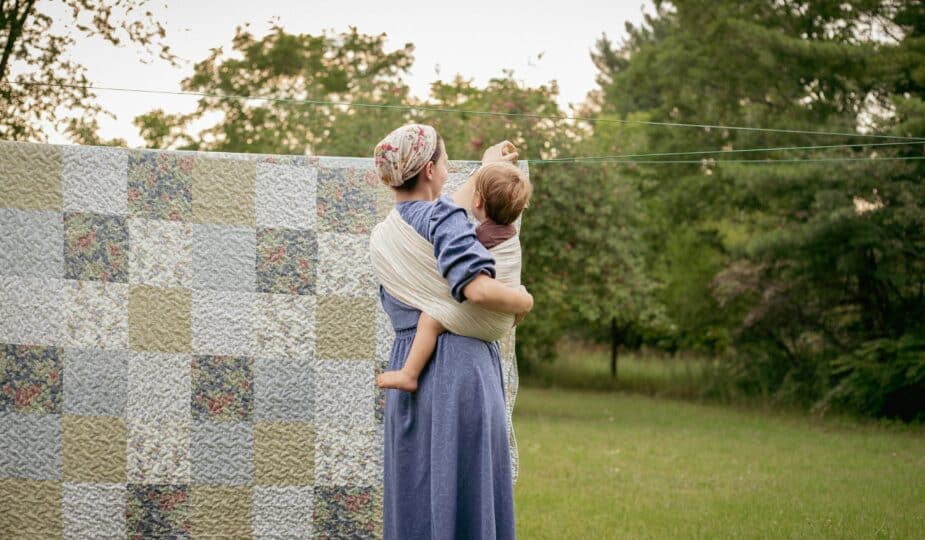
<point>615,465</point>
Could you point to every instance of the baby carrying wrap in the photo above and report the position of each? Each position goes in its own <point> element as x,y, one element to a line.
<point>406,267</point>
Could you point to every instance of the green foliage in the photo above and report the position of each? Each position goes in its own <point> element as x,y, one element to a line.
<point>468,135</point>
<point>86,132</point>
<point>883,376</point>
<point>583,259</point>
<point>33,49</point>
<point>331,68</point>
<point>811,274</point>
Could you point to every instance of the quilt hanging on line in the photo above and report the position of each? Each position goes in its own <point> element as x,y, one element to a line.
<point>189,343</point>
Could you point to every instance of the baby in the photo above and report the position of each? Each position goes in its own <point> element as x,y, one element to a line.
<point>502,191</point>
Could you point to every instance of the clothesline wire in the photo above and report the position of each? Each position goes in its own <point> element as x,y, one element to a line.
<point>475,112</point>
<point>721,161</point>
<point>729,151</point>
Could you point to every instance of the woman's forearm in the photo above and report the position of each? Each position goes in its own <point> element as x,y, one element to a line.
<point>463,194</point>
<point>490,293</point>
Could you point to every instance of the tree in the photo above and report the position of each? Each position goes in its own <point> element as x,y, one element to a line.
<point>502,109</point>
<point>814,271</point>
<point>33,53</point>
<point>326,69</point>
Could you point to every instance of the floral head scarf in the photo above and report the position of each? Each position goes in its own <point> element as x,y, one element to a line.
<point>404,152</point>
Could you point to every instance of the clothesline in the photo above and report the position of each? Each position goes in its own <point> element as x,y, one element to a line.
<point>729,151</point>
<point>710,161</point>
<point>585,159</point>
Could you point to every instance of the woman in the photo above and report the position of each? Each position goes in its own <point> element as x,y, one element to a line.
<point>447,460</point>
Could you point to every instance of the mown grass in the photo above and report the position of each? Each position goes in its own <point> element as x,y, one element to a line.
<point>617,465</point>
<point>587,366</point>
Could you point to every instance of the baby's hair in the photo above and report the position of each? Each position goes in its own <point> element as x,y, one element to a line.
<point>505,190</point>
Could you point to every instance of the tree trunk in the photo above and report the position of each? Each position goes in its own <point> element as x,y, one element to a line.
<point>614,340</point>
<point>16,23</point>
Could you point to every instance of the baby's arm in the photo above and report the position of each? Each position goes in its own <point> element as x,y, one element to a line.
<point>422,347</point>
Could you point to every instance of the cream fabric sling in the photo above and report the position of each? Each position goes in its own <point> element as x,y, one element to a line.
<point>406,267</point>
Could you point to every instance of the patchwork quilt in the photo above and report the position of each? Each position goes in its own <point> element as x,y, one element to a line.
<point>189,343</point>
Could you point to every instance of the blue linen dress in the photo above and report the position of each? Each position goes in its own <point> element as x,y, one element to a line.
<point>446,457</point>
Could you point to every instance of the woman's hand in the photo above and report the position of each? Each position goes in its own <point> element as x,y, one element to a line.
<point>503,151</point>
<point>518,317</point>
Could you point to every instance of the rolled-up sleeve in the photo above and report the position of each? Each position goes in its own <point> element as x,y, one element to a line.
<point>460,256</point>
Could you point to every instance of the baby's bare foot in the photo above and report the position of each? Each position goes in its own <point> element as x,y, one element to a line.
<point>398,380</point>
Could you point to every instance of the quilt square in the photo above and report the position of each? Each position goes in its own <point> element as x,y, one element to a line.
<point>157,452</point>
<point>385,336</point>
<point>383,198</point>
<point>285,325</point>
<point>223,388</point>
<point>158,387</point>
<point>32,508</point>
<point>222,453</point>
<point>347,512</point>
<point>30,243</point>
<point>31,378</point>
<point>96,314</point>
<point>345,268</point>
<point>348,455</point>
<point>159,318</point>
<point>345,328</point>
<point>161,252</point>
<point>220,511</point>
<point>30,447</point>
<point>284,453</point>
<point>348,199</point>
<point>30,310</point>
<point>157,511</point>
<point>95,247</point>
<point>287,261</point>
<point>160,184</point>
<point>344,392</point>
<point>96,383</point>
<point>93,510</point>
<point>224,257</point>
<point>223,191</point>
<point>30,176</point>
<point>94,449</point>
<point>223,322</point>
<point>283,511</point>
<point>95,179</point>
<point>286,195</point>
<point>284,389</point>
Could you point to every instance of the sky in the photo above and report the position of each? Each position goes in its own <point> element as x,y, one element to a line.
<point>540,40</point>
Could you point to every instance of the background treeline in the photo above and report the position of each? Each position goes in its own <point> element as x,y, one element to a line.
<point>803,282</point>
